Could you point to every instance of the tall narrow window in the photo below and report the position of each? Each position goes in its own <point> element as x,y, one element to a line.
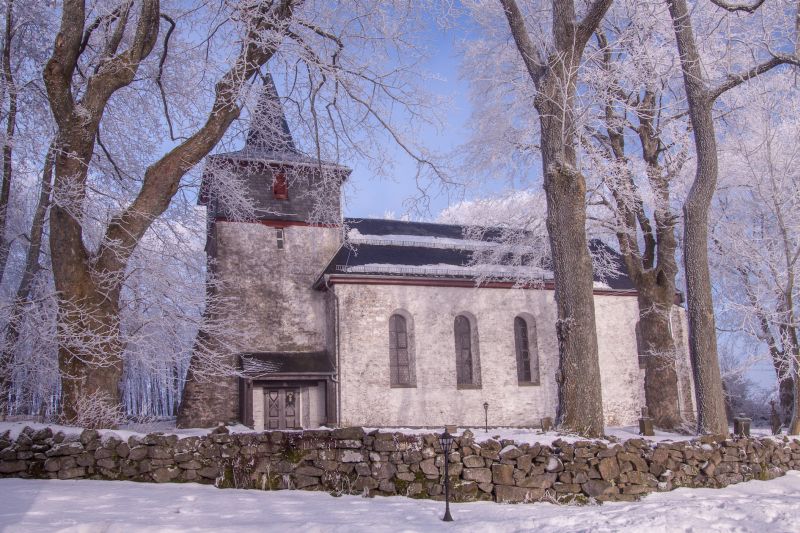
<point>401,365</point>
<point>527,351</point>
<point>463,334</point>
<point>280,188</point>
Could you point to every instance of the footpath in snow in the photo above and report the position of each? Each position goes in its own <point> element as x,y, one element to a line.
<point>121,506</point>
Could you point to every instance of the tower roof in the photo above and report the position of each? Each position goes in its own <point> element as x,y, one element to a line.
<point>269,131</point>
<point>269,139</point>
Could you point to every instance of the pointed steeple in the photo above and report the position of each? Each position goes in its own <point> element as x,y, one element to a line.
<point>269,130</point>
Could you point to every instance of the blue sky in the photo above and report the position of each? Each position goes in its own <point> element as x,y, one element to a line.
<point>369,196</point>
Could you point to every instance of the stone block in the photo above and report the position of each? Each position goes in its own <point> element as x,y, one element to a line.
<point>510,452</point>
<point>506,494</point>
<point>71,473</point>
<point>108,464</point>
<point>103,453</point>
<point>353,433</point>
<point>543,481</point>
<point>191,465</point>
<point>597,487</point>
<point>85,459</point>
<point>165,475</point>
<point>383,470</point>
<point>88,435</point>
<point>566,488</point>
<point>480,475</point>
<point>351,456</point>
<point>52,464</point>
<point>138,453</point>
<point>609,468</point>
<point>385,446</point>
<point>502,474</point>
<point>387,486</point>
<point>209,472</point>
<point>366,482</point>
<point>308,471</point>
<point>349,443</point>
<point>13,467</point>
<point>474,461</point>
<point>300,482</point>
<point>65,448</point>
<point>428,467</point>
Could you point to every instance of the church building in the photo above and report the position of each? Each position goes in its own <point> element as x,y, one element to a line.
<point>380,323</point>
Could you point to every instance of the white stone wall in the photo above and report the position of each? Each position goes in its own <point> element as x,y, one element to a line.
<point>274,285</point>
<point>258,408</point>
<point>367,398</point>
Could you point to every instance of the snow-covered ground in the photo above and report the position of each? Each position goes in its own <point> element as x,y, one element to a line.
<point>122,506</point>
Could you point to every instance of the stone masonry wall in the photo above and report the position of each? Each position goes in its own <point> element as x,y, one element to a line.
<point>348,460</point>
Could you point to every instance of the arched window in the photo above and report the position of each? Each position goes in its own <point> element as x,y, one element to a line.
<point>527,351</point>
<point>280,187</point>
<point>466,352</point>
<point>401,356</point>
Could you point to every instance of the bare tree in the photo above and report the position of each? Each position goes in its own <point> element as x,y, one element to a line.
<point>633,87</point>
<point>89,282</point>
<point>552,68</point>
<point>701,94</point>
<point>757,230</point>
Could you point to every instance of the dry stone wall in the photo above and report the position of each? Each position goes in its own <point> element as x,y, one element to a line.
<point>349,460</point>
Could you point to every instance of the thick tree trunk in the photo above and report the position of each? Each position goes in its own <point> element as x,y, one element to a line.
<point>700,307</point>
<point>580,406</point>
<point>89,284</point>
<point>90,373</point>
<point>658,345</point>
<point>652,269</point>
<point>580,396</point>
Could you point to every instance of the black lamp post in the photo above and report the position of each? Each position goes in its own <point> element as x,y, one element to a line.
<point>446,440</point>
<point>486,419</point>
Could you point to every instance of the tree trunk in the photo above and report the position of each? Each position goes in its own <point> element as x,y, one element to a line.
<point>11,121</point>
<point>32,267</point>
<point>90,360</point>
<point>658,345</point>
<point>89,283</point>
<point>700,307</point>
<point>794,424</point>
<point>654,268</point>
<point>580,406</point>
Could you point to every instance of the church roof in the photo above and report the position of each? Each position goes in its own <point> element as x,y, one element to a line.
<point>396,248</point>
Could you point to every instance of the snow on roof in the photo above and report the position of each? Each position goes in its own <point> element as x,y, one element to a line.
<point>444,269</point>
<point>356,237</point>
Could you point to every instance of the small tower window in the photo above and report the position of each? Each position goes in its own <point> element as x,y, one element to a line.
<point>279,238</point>
<point>280,187</point>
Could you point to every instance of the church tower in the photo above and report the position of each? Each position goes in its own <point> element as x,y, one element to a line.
<point>268,264</point>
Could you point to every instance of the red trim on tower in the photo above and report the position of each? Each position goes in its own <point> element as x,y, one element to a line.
<point>276,223</point>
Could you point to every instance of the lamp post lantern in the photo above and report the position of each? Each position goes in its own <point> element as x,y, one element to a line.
<point>446,440</point>
<point>486,417</point>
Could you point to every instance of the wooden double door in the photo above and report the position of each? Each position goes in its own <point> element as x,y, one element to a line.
<point>282,408</point>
